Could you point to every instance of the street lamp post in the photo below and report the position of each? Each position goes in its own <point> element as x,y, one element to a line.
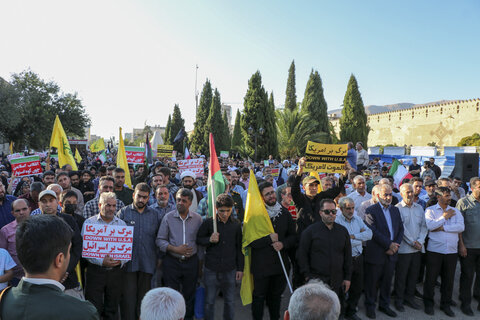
<point>261,131</point>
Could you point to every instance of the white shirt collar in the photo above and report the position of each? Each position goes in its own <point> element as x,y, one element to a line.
<point>42,281</point>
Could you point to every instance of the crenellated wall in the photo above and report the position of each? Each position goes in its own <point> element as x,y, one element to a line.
<point>444,124</point>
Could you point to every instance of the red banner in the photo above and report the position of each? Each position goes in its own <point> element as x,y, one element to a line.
<point>135,155</point>
<point>26,166</point>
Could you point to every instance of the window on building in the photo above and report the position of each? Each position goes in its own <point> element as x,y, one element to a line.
<point>400,116</point>
<point>413,114</point>
<point>441,110</point>
<point>458,109</point>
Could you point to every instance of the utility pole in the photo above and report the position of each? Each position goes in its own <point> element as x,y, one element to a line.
<point>196,92</point>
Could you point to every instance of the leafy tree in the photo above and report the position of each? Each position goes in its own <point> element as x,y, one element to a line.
<point>271,128</point>
<point>473,140</point>
<point>227,137</point>
<point>295,129</point>
<point>314,103</point>
<point>36,103</point>
<point>10,110</point>
<point>215,124</point>
<point>237,140</point>
<point>198,143</point>
<point>291,92</point>
<point>168,129</point>
<point>255,108</point>
<point>177,124</point>
<point>353,123</point>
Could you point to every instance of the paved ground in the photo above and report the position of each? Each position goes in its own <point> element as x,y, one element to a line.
<point>409,314</point>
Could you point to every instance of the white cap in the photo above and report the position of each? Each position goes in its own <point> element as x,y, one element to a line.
<point>187,174</point>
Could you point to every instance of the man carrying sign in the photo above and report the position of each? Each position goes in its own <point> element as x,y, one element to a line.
<point>104,275</point>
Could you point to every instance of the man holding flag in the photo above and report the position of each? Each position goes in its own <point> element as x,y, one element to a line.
<point>268,232</point>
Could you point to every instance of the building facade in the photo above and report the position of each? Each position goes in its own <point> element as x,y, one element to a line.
<point>444,123</point>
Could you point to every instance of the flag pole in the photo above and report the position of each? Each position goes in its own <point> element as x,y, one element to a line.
<point>285,271</point>
<point>214,211</point>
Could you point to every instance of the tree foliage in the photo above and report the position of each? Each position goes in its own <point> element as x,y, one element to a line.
<point>168,129</point>
<point>215,123</point>
<point>226,137</point>
<point>198,143</point>
<point>29,107</point>
<point>295,129</point>
<point>353,123</point>
<point>271,128</point>
<point>177,124</point>
<point>237,140</point>
<point>473,140</point>
<point>314,104</point>
<point>291,92</point>
<point>255,108</point>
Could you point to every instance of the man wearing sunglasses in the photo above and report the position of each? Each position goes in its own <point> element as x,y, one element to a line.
<point>381,253</point>
<point>325,251</point>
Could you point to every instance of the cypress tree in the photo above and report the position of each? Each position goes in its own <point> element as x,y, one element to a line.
<point>226,133</point>
<point>237,140</point>
<point>177,124</point>
<point>255,108</point>
<point>353,123</point>
<point>291,92</point>
<point>314,103</point>
<point>271,128</point>
<point>168,130</point>
<point>198,143</point>
<point>214,123</point>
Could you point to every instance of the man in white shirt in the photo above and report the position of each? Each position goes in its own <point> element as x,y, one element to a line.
<point>360,194</point>
<point>358,232</point>
<point>367,203</point>
<point>444,223</point>
<point>362,157</point>
<point>409,253</point>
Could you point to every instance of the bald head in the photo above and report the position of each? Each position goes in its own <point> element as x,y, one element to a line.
<point>20,210</point>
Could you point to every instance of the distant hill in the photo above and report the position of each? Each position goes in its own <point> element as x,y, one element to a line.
<point>372,109</point>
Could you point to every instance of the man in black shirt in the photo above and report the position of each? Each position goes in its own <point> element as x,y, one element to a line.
<point>414,169</point>
<point>224,259</point>
<point>436,169</point>
<point>325,251</point>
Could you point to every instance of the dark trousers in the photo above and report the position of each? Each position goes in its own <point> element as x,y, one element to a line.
<point>356,286</point>
<point>378,276</point>
<point>224,281</point>
<point>469,266</point>
<point>267,289</point>
<point>443,265</point>
<point>182,275</point>
<point>406,275</point>
<point>135,286</point>
<point>103,289</point>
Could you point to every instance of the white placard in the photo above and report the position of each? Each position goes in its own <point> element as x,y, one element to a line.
<point>101,239</point>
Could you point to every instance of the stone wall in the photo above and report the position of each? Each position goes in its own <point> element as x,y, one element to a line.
<point>445,124</point>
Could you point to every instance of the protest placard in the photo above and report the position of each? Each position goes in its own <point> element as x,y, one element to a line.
<point>327,158</point>
<point>26,166</point>
<point>275,172</point>
<point>194,165</point>
<point>100,240</point>
<point>135,155</point>
<point>164,151</point>
<point>14,156</point>
<point>224,154</point>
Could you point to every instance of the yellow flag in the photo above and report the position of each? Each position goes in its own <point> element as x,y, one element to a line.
<point>256,225</point>
<point>122,160</point>
<point>78,157</point>
<point>98,145</point>
<point>79,274</point>
<point>59,140</point>
<point>11,147</point>
<point>315,174</point>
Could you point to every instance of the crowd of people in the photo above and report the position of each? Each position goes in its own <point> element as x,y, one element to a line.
<point>338,235</point>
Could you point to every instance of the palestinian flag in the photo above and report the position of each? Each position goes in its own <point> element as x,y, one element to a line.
<point>216,184</point>
<point>399,173</point>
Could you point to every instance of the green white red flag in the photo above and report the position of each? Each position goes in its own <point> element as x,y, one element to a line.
<point>216,184</point>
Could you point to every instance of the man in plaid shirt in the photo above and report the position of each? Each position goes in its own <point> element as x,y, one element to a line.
<point>105,185</point>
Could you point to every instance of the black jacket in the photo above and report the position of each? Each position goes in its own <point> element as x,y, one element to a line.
<point>265,261</point>
<point>309,209</point>
<point>226,254</point>
<point>325,254</point>
<point>75,252</point>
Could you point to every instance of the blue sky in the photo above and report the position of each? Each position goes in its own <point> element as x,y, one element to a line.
<point>131,61</point>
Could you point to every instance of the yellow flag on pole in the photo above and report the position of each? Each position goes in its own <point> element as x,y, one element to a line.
<point>122,160</point>
<point>98,145</point>
<point>78,157</point>
<point>11,147</point>
<point>256,225</point>
<point>315,174</point>
<point>59,140</point>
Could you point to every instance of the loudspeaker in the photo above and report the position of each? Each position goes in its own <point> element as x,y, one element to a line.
<point>466,166</point>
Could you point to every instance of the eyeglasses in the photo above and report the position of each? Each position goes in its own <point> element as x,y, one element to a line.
<point>349,208</point>
<point>329,211</point>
